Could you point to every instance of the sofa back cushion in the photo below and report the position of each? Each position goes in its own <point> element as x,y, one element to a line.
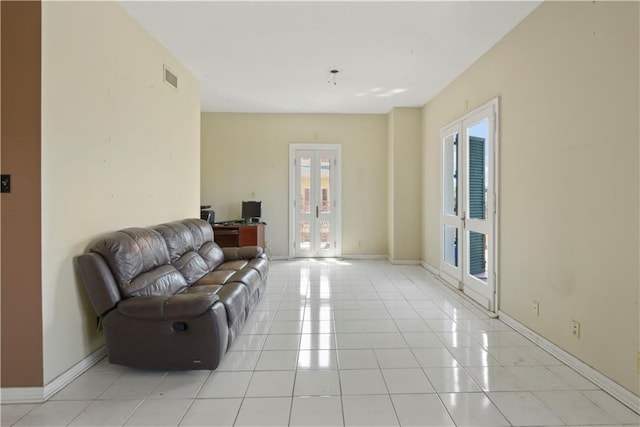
<point>139,261</point>
<point>183,240</point>
<point>201,231</point>
<point>178,238</point>
<point>204,243</point>
<point>212,255</point>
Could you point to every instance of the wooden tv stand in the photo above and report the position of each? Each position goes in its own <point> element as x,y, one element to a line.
<point>238,235</point>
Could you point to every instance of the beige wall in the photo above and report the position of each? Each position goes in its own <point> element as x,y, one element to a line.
<point>567,77</point>
<point>245,157</point>
<point>405,179</point>
<point>119,148</point>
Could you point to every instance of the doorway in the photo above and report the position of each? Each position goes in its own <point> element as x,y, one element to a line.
<point>315,195</point>
<point>469,205</point>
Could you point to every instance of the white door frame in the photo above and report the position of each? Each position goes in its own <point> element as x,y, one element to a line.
<point>336,192</point>
<point>455,276</point>
<point>450,273</point>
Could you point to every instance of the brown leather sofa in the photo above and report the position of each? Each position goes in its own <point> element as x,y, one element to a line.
<point>168,296</point>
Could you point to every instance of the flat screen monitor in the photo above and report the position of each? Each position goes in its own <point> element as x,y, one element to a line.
<point>251,211</point>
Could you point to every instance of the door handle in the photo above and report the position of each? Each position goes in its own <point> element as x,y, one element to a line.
<point>317,211</point>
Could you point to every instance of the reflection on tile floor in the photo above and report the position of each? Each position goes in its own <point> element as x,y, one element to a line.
<point>341,342</point>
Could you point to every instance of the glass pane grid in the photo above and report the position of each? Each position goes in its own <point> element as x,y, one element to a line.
<point>325,235</point>
<point>305,185</point>
<point>478,255</point>
<point>451,245</point>
<point>477,170</point>
<point>305,235</point>
<point>325,183</point>
<point>450,172</point>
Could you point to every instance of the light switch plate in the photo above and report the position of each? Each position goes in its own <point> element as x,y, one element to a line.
<point>5,184</point>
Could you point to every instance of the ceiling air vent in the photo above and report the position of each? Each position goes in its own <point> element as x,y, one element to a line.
<point>170,78</point>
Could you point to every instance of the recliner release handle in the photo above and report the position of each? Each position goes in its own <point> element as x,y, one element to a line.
<point>179,326</point>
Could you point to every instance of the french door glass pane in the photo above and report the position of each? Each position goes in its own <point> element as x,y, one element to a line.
<point>450,174</point>
<point>477,174</point>
<point>305,185</point>
<point>325,184</point>
<point>325,235</point>
<point>477,248</point>
<point>451,245</point>
<point>305,235</point>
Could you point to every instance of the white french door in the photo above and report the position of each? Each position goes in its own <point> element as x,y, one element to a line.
<point>315,200</point>
<point>468,214</point>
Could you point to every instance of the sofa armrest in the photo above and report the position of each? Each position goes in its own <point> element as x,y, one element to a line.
<point>95,275</point>
<point>167,307</point>
<point>245,252</point>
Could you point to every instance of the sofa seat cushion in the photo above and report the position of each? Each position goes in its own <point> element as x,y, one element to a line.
<point>234,296</point>
<point>249,277</point>
<point>244,252</point>
<point>169,307</point>
<point>261,265</point>
<point>218,277</point>
<point>233,265</point>
<point>195,289</point>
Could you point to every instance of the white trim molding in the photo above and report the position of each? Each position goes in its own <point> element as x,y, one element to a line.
<point>74,372</point>
<point>42,394</point>
<point>608,385</point>
<point>404,261</point>
<point>21,395</point>
<point>449,287</point>
<point>280,258</point>
<point>364,257</point>
<point>431,269</point>
<point>341,257</point>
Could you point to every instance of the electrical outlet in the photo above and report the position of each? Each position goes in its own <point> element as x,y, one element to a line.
<point>639,362</point>
<point>535,307</point>
<point>575,329</point>
<point>359,243</point>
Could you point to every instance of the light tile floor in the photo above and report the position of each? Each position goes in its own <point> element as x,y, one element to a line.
<point>341,342</point>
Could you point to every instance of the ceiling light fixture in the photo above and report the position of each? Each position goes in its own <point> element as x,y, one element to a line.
<point>331,78</point>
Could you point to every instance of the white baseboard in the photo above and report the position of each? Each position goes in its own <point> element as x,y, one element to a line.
<point>76,370</point>
<point>364,256</point>
<point>279,258</point>
<point>449,287</point>
<point>349,256</point>
<point>431,269</point>
<point>608,385</point>
<point>41,394</point>
<point>404,261</point>
<point>21,395</point>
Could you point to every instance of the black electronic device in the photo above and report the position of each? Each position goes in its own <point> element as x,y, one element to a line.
<point>251,211</point>
<point>208,215</point>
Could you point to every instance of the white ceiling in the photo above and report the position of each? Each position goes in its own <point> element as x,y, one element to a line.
<point>276,56</point>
